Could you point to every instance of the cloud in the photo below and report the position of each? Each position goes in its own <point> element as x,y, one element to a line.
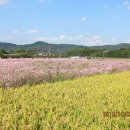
<point>83,19</point>
<point>114,40</point>
<point>126,41</point>
<point>79,39</point>
<point>128,7</point>
<point>3,2</point>
<point>95,40</point>
<point>63,37</point>
<point>126,3</point>
<point>33,31</point>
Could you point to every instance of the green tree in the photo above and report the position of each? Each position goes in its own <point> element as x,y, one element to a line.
<point>2,53</point>
<point>20,50</point>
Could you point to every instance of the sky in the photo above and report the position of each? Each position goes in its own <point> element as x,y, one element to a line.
<point>81,22</point>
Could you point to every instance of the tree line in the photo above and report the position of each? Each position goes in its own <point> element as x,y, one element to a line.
<point>89,52</point>
<point>22,53</point>
<point>81,52</point>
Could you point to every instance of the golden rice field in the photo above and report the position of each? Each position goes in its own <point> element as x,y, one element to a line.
<point>69,105</point>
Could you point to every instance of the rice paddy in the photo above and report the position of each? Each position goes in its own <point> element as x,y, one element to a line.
<point>80,104</point>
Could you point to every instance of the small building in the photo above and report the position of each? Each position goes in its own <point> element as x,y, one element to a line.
<point>75,57</point>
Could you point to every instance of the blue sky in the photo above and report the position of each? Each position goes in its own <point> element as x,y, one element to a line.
<point>86,22</point>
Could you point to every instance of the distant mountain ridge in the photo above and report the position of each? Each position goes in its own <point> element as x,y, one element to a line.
<point>41,46</point>
<point>7,46</point>
<point>113,47</point>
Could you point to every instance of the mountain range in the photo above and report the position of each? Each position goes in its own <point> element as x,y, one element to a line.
<point>41,46</point>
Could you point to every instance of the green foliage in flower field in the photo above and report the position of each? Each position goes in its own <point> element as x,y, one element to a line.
<point>70,105</point>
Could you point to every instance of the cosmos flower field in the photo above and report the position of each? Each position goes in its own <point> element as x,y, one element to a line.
<point>18,72</point>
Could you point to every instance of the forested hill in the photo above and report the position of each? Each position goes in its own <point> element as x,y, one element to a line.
<point>41,46</point>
